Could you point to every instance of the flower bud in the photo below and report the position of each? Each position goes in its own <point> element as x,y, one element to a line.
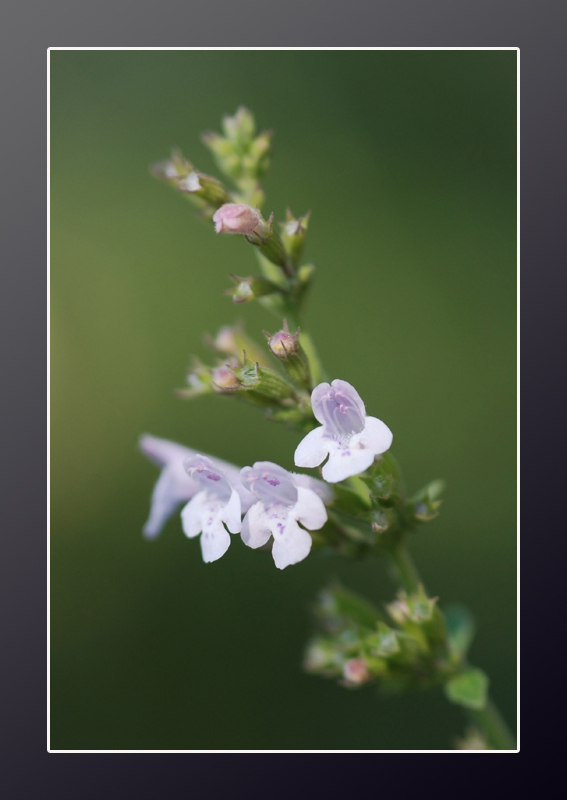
<point>171,170</point>
<point>355,672</point>
<point>283,344</point>
<point>223,379</point>
<point>472,740</point>
<point>240,218</point>
<point>207,188</point>
<point>249,288</point>
<point>263,384</point>
<point>286,347</point>
<point>241,127</point>
<point>231,340</point>
<point>321,657</point>
<point>293,234</point>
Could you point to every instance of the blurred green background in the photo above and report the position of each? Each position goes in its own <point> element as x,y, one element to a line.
<point>408,162</point>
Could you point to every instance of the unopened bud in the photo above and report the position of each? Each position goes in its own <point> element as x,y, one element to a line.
<point>399,611</point>
<point>207,188</point>
<point>216,143</point>
<point>240,218</point>
<point>249,288</point>
<point>225,340</point>
<point>283,343</point>
<point>322,658</point>
<point>231,341</point>
<point>355,672</point>
<point>224,379</point>
<point>286,347</point>
<point>173,169</point>
<point>293,234</point>
<point>264,383</point>
<point>241,127</point>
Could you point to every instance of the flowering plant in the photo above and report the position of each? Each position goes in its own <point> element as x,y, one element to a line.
<point>360,506</point>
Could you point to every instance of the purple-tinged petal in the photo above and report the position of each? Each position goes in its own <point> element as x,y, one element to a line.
<point>162,451</point>
<point>215,540</point>
<point>338,408</point>
<point>192,515</point>
<point>292,546</point>
<point>345,462</point>
<point>312,449</point>
<point>209,476</point>
<point>270,483</point>
<point>174,486</point>
<point>310,510</point>
<point>165,500</point>
<point>255,527</point>
<point>317,396</point>
<point>376,436</point>
<point>319,487</point>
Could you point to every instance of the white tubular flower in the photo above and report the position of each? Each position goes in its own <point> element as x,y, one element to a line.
<point>219,500</point>
<point>174,486</point>
<point>347,435</point>
<point>283,501</point>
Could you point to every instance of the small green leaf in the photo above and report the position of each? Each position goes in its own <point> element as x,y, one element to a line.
<point>468,689</point>
<point>355,608</point>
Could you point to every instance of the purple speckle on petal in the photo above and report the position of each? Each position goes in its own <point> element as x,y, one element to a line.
<point>272,481</point>
<point>212,477</point>
<point>345,453</point>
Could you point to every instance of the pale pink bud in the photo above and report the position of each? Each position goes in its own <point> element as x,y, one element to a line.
<point>355,672</point>
<point>224,379</point>
<point>239,218</point>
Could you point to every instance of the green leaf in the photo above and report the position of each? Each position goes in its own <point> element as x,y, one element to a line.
<point>355,608</point>
<point>460,628</point>
<point>468,689</point>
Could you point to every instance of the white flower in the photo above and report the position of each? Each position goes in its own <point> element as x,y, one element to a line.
<point>347,435</point>
<point>174,486</point>
<point>284,499</point>
<point>219,501</point>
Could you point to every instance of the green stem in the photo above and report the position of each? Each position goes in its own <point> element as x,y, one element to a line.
<point>488,719</point>
<point>315,366</point>
<point>404,568</point>
<point>493,727</point>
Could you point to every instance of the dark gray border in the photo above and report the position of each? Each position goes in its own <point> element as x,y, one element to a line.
<point>28,29</point>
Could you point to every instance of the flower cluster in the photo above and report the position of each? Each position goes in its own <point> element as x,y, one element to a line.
<point>276,504</point>
<point>358,507</point>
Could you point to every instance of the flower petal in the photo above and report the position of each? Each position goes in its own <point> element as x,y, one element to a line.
<point>317,395</point>
<point>231,513</point>
<point>319,487</point>
<point>312,449</point>
<point>171,489</point>
<point>310,510</point>
<point>255,527</point>
<point>215,540</point>
<point>349,391</point>
<point>192,515</point>
<point>344,462</point>
<point>292,546</point>
<point>376,436</point>
<point>162,451</point>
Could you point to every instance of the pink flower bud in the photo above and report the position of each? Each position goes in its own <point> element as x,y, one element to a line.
<point>284,344</point>
<point>239,218</point>
<point>224,379</point>
<point>355,672</point>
